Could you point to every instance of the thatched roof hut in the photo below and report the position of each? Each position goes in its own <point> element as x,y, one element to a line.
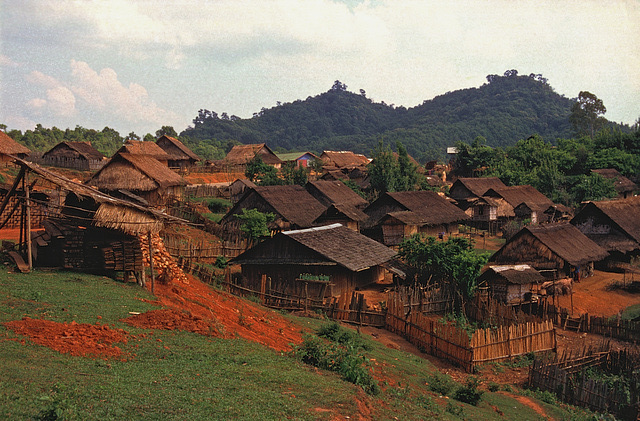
<point>349,259</point>
<point>242,154</point>
<point>179,155</point>
<point>9,148</point>
<point>511,284</point>
<point>343,159</point>
<point>556,247</point>
<point>612,224</point>
<point>79,155</point>
<point>535,202</point>
<point>140,175</point>
<point>145,148</point>
<point>395,216</point>
<point>466,188</point>
<point>328,192</point>
<point>292,206</point>
<point>622,184</point>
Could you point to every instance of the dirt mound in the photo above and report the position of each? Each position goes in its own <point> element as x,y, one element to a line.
<point>170,319</point>
<point>226,314</point>
<point>79,339</point>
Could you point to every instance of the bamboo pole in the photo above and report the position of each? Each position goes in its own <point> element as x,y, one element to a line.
<point>153,280</point>
<point>28,222</point>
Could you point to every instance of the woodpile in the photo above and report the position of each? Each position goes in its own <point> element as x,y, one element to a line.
<point>163,264</point>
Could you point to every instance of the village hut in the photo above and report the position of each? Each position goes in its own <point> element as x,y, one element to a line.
<point>238,188</point>
<point>77,155</point>
<point>358,176</point>
<point>520,202</point>
<point>347,215</point>
<point>298,159</point>
<point>512,284</point>
<point>624,187</point>
<point>315,262</point>
<point>465,189</point>
<point>334,160</point>
<point>555,250</point>
<point>128,176</point>
<point>558,213</point>
<point>612,224</point>
<point>292,206</point>
<point>145,148</point>
<point>240,155</point>
<point>343,204</point>
<point>180,156</point>
<point>9,148</point>
<point>396,216</point>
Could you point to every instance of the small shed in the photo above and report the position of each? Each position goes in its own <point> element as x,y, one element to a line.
<point>238,188</point>
<point>522,202</point>
<point>76,155</point>
<point>10,148</point>
<point>145,148</point>
<point>624,187</point>
<point>398,215</point>
<point>556,250</point>
<point>145,177</point>
<point>349,260</point>
<point>512,284</point>
<point>180,156</point>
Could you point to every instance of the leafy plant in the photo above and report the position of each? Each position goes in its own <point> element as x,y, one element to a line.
<point>440,383</point>
<point>469,393</point>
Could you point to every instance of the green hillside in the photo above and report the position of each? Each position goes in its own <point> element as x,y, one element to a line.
<point>504,110</point>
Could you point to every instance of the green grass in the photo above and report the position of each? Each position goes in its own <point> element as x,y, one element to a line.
<point>180,375</point>
<point>631,312</point>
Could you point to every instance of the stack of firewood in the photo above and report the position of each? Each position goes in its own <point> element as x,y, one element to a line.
<point>163,264</point>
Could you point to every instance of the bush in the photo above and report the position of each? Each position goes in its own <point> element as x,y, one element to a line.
<point>221,262</point>
<point>469,393</point>
<point>440,383</point>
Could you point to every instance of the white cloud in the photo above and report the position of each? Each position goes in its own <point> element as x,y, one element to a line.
<point>61,101</point>
<point>39,78</point>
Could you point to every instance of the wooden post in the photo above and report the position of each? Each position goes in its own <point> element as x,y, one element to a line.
<point>28,222</point>
<point>306,297</point>
<point>153,280</point>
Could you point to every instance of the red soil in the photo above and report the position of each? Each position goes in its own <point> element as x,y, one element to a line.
<point>72,338</point>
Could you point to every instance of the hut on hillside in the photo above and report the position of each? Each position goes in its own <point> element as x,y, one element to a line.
<point>612,224</point>
<point>624,187</point>
<point>238,188</point>
<point>334,259</point>
<point>9,148</point>
<point>358,176</point>
<point>555,250</point>
<point>240,155</point>
<point>558,213</point>
<point>76,155</point>
<point>179,155</point>
<point>395,216</point>
<point>512,284</point>
<point>465,189</point>
<point>292,206</point>
<point>145,148</point>
<point>138,177</point>
<point>343,204</point>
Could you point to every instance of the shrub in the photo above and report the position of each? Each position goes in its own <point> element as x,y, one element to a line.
<point>469,393</point>
<point>440,383</point>
<point>221,262</point>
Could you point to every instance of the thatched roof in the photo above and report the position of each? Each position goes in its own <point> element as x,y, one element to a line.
<point>330,244</point>
<point>112,213</point>
<point>564,240</point>
<point>513,274</point>
<point>334,191</point>
<point>343,159</point>
<point>176,149</point>
<point>419,208</point>
<point>348,211</point>
<point>135,173</point>
<point>516,195</point>
<point>8,146</point>
<point>146,148</point>
<point>291,203</point>
<point>625,213</point>
<point>620,182</point>
<point>83,149</point>
<point>242,154</point>
<point>477,186</point>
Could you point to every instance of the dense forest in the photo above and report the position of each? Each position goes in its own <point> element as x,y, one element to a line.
<point>505,109</point>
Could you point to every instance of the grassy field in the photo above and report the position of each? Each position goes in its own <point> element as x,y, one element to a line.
<point>181,375</point>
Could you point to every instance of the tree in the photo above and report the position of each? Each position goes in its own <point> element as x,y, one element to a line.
<point>407,170</point>
<point>339,86</point>
<point>585,114</point>
<point>256,223</point>
<point>593,187</point>
<point>261,173</point>
<point>294,175</point>
<point>166,131</point>
<point>383,170</point>
<point>132,136</point>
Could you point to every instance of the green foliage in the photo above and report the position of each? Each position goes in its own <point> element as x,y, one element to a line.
<point>292,175</point>
<point>389,173</point>
<point>469,393</point>
<point>593,187</point>
<point>221,262</point>
<point>342,354</point>
<point>585,114</point>
<point>441,383</point>
<point>261,173</point>
<point>59,405</point>
<point>256,223</point>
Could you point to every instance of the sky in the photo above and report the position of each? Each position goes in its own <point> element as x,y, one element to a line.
<point>138,65</point>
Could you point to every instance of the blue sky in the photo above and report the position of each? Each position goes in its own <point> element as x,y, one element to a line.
<point>136,65</point>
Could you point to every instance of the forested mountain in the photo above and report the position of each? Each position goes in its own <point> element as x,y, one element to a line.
<point>504,110</point>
